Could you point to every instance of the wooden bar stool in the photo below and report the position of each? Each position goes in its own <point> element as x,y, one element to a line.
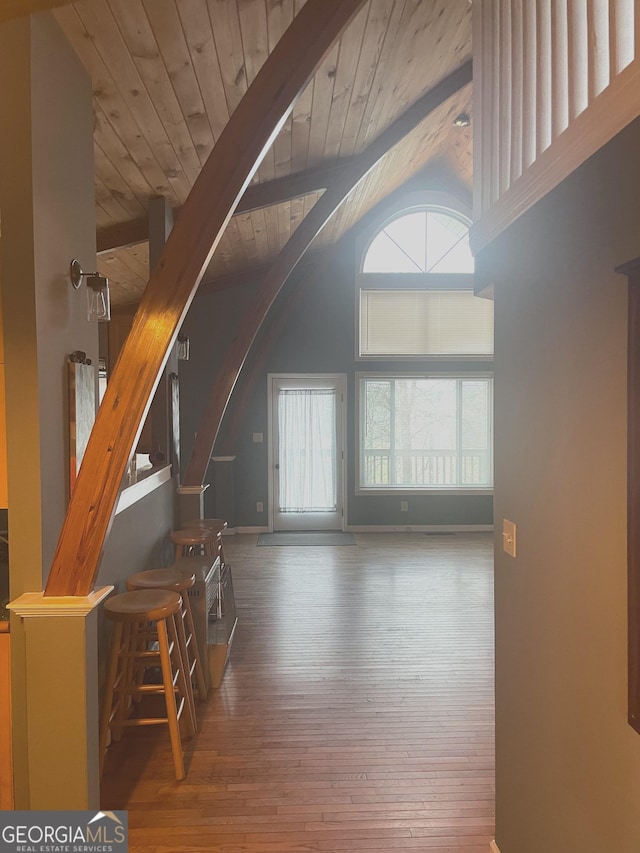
<point>180,581</point>
<point>138,617</point>
<point>194,541</point>
<point>216,525</point>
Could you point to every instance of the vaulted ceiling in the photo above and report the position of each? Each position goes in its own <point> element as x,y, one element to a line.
<point>167,74</point>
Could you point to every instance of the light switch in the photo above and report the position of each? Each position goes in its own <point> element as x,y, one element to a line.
<point>509,537</point>
<point>257,438</point>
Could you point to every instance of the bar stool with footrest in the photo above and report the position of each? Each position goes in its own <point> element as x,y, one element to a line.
<point>214,612</point>
<point>140,618</point>
<point>216,525</point>
<point>194,541</point>
<point>180,581</point>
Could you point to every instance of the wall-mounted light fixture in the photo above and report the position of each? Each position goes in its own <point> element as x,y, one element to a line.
<point>98,302</point>
<point>183,348</point>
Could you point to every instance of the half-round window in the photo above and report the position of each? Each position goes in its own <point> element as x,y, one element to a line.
<point>427,240</point>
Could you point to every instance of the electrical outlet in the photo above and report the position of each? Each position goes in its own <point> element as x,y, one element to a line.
<point>258,438</point>
<point>509,537</point>
<point>404,506</point>
<point>259,506</point>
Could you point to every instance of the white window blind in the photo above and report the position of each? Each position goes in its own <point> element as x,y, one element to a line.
<point>422,323</point>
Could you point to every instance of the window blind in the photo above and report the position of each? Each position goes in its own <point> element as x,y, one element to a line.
<point>421,323</point>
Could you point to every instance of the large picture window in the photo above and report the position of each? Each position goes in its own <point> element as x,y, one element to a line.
<point>425,433</point>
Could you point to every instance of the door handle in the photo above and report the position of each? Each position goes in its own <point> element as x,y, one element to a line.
<point>277,467</point>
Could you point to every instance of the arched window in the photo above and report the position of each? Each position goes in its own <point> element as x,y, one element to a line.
<point>416,290</point>
<point>428,240</point>
<point>426,428</point>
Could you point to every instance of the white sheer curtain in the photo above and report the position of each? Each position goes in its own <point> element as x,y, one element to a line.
<point>307,449</point>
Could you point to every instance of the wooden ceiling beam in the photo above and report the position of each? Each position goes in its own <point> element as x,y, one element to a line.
<point>290,186</point>
<point>20,8</point>
<point>236,156</point>
<point>123,234</point>
<point>294,249</point>
<point>256,196</point>
<point>438,177</point>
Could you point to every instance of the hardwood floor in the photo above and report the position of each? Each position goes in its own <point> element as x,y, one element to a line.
<point>356,712</point>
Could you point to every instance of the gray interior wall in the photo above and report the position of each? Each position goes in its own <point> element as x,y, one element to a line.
<point>48,217</point>
<point>318,337</point>
<point>139,538</point>
<point>568,764</point>
<point>64,228</point>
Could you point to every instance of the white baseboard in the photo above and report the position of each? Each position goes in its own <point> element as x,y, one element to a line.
<point>386,528</point>
<point>419,528</point>
<point>493,847</point>
<point>239,530</point>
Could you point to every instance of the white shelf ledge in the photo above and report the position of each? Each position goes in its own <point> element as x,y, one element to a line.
<point>134,493</point>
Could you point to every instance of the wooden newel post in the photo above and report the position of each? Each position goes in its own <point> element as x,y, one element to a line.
<point>632,271</point>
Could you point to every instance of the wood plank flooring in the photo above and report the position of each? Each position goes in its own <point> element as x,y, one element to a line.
<point>356,713</point>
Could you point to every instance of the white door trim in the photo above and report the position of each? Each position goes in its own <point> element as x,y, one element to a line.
<point>341,382</point>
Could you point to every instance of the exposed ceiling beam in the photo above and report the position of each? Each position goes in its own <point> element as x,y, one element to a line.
<point>290,186</point>
<point>437,175</point>
<point>19,8</point>
<point>234,160</point>
<point>256,196</point>
<point>294,249</point>
<point>123,234</point>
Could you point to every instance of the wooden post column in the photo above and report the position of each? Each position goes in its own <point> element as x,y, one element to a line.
<point>61,711</point>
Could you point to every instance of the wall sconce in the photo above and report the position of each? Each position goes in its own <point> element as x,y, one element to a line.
<point>98,302</point>
<point>183,348</point>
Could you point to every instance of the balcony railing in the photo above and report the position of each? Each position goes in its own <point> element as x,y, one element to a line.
<point>427,468</point>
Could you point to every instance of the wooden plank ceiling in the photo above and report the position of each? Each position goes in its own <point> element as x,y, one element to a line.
<point>167,74</point>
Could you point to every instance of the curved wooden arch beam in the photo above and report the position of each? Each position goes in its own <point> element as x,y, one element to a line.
<point>297,245</point>
<point>233,161</point>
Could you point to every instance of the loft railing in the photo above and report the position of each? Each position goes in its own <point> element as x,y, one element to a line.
<point>554,80</point>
